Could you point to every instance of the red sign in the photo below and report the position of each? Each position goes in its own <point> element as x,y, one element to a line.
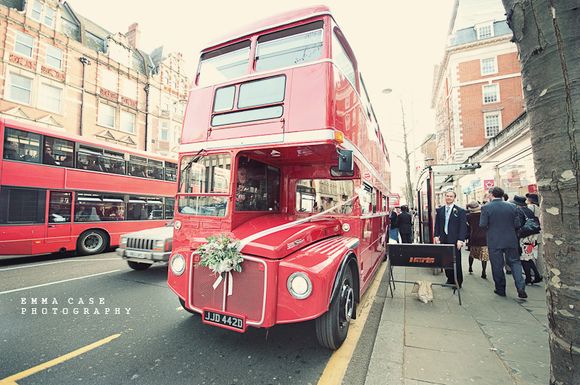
<point>394,200</point>
<point>488,183</point>
<point>366,175</point>
<point>533,188</point>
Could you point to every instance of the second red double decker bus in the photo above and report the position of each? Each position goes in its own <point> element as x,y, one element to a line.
<point>282,151</point>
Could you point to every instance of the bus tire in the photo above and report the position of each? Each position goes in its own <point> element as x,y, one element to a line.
<point>92,242</point>
<point>138,265</point>
<point>182,302</point>
<point>332,326</point>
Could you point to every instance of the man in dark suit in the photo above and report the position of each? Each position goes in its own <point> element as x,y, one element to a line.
<point>405,223</point>
<point>501,221</point>
<point>451,229</point>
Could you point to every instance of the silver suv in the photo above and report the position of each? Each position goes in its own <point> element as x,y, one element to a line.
<point>143,248</point>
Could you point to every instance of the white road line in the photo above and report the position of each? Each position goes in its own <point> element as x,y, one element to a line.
<point>54,283</point>
<point>52,263</point>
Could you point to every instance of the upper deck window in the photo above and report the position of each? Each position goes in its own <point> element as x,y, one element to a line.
<point>290,47</point>
<point>21,145</point>
<point>224,63</point>
<point>343,60</point>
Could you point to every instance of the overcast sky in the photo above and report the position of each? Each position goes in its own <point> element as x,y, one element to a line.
<point>397,44</point>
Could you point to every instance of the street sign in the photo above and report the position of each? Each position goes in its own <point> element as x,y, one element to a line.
<point>366,175</point>
<point>394,200</point>
<point>488,183</point>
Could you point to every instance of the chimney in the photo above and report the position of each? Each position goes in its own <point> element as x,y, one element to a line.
<point>133,35</point>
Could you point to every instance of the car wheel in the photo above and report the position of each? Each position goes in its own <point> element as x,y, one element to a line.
<point>138,265</point>
<point>92,242</point>
<point>332,326</point>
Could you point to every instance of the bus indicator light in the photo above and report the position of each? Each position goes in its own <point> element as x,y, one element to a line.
<point>339,136</point>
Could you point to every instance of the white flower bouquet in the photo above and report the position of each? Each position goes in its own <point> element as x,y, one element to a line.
<point>221,254</point>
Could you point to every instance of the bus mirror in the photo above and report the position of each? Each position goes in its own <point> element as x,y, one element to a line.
<point>345,161</point>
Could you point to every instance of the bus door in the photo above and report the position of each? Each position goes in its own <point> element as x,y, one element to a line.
<point>370,230</point>
<point>59,226</point>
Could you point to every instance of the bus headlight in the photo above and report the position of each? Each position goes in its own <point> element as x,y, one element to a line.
<point>299,285</point>
<point>177,264</point>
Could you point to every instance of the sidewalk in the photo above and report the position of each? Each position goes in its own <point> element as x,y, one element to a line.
<point>489,340</point>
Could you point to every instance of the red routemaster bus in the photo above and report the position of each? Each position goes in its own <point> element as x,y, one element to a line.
<point>60,192</point>
<point>282,152</point>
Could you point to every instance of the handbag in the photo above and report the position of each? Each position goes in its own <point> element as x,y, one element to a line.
<point>530,227</point>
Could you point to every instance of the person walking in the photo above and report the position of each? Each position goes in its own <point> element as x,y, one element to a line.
<point>405,223</point>
<point>394,227</point>
<point>500,219</point>
<point>477,239</point>
<point>451,228</point>
<point>528,244</point>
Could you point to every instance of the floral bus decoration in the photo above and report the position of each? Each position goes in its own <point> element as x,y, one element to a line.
<point>221,254</point>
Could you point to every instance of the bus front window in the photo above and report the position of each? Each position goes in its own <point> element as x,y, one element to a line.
<point>204,175</point>
<point>257,187</point>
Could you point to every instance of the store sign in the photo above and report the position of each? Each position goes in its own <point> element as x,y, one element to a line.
<point>394,200</point>
<point>533,188</point>
<point>488,183</point>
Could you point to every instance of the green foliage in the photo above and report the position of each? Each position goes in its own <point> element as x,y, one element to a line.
<point>221,254</point>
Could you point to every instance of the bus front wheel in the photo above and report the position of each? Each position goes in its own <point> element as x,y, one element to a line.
<point>92,242</point>
<point>332,326</point>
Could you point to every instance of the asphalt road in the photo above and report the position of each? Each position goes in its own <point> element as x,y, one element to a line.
<point>143,334</point>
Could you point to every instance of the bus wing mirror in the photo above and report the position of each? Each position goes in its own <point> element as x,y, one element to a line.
<point>345,161</point>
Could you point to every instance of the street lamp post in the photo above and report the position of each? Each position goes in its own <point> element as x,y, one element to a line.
<point>408,184</point>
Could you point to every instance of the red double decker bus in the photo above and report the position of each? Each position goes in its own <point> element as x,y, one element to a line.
<point>60,192</point>
<point>282,151</point>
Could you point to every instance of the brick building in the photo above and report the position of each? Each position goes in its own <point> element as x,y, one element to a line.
<point>477,87</point>
<point>61,70</point>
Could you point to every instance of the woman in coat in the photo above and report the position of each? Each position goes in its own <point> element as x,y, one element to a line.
<point>477,239</point>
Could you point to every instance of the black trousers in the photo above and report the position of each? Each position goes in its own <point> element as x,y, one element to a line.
<point>406,237</point>
<point>449,272</point>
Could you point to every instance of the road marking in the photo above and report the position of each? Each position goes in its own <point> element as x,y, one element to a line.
<point>338,363</point>
<point>54,283</point>
<point>52,263</point>
<point>28,372</point>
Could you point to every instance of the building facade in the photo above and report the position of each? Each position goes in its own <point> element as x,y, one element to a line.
<point>477,87</point>
<point>60,70</point>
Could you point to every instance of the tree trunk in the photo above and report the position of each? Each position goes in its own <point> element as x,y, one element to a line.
<point>547,33</point>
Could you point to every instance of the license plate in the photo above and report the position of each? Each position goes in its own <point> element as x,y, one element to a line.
<point>227,321</point>
<point>138,254</point>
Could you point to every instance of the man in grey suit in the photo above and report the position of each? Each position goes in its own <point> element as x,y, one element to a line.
<point>501,221</point>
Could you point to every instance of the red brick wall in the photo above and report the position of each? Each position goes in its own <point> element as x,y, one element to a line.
<point>471,99</point>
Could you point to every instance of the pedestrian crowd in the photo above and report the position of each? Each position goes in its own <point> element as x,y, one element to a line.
<point>507,234</point>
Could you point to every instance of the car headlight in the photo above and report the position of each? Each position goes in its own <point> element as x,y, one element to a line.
<point>123,240</point>
<point>299,285</point>
<point>158,245</point>
<point>177,264</point>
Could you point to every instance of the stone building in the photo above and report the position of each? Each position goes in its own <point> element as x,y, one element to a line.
<point>61,70</point>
